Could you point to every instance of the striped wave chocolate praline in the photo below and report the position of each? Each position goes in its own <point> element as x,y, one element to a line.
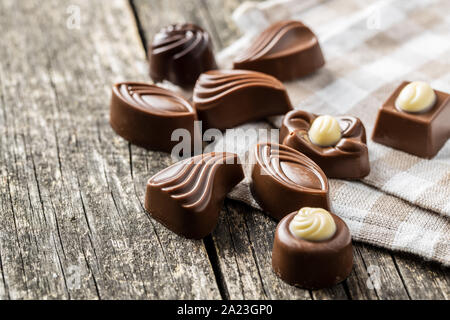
<point>286,50</point>
<point>187,196</point>
<point>227,98</point>
<point>146,115</point>
<point>284,180</point>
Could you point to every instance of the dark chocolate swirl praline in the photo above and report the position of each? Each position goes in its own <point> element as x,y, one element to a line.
<point>180,53</point>
<point>347,159</point>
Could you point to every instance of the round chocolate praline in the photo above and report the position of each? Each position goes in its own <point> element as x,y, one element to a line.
<point>312,264</point>
<point>180,53</point>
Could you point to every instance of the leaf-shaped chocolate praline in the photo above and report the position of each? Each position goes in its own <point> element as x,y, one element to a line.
<point>180,53</point>
<point>286,50</point>
<point>187,196</point>
<point>146,115</point>
<point>348,159</point>
<point>227,98</point>
<point>284,180</point>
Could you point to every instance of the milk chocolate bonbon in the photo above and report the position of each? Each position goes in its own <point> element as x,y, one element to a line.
<point>284,180</point>
<point>187,196</point>
<point>146,115</point>
<point>180,53</point>
<point>345,157</point>
<point>312,249</point>
<point>226,98</point>
<point>286,50</point>
<point>414,119</point>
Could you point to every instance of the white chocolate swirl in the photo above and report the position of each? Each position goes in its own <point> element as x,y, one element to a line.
<point>417,96</point>
<point>313,224</point>
<point>325,131</point>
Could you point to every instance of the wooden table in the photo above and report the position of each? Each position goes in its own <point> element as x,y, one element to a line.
<point>72,224</point>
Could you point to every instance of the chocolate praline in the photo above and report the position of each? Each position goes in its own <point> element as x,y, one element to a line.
<point>147,115</point>
<point>227,98</point>
<point>180,53</point>
<point>422,134</point>
<point>284,179</point>
<point>187,196</point>
<point>347,159</point>
<point>286,50</point>
<point>312,264</point>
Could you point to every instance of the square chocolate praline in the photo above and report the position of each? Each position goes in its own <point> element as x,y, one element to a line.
<point>421,134</point>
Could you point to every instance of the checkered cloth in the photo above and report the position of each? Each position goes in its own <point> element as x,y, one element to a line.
<point>370,48</point>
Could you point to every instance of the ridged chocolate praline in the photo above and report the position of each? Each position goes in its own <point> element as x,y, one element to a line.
<point>180,53</point>
<point>312,264</point>
<point>147,115</point>
<point>286,50</point>
<point>227,98</point>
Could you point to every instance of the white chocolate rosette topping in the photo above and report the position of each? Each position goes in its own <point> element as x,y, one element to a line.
<point>325,131</point>
<point>313,224</point>
<point>417,96</point>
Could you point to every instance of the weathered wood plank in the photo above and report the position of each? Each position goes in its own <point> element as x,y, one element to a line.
<point>219,12</point>
<point>72,224</point>
<point>422,279</point>
<point>243,240</point>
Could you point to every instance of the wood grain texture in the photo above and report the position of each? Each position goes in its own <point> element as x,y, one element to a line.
<point>72,223</point>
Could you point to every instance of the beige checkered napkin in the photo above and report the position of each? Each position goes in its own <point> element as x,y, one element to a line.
<point>369,51</point>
